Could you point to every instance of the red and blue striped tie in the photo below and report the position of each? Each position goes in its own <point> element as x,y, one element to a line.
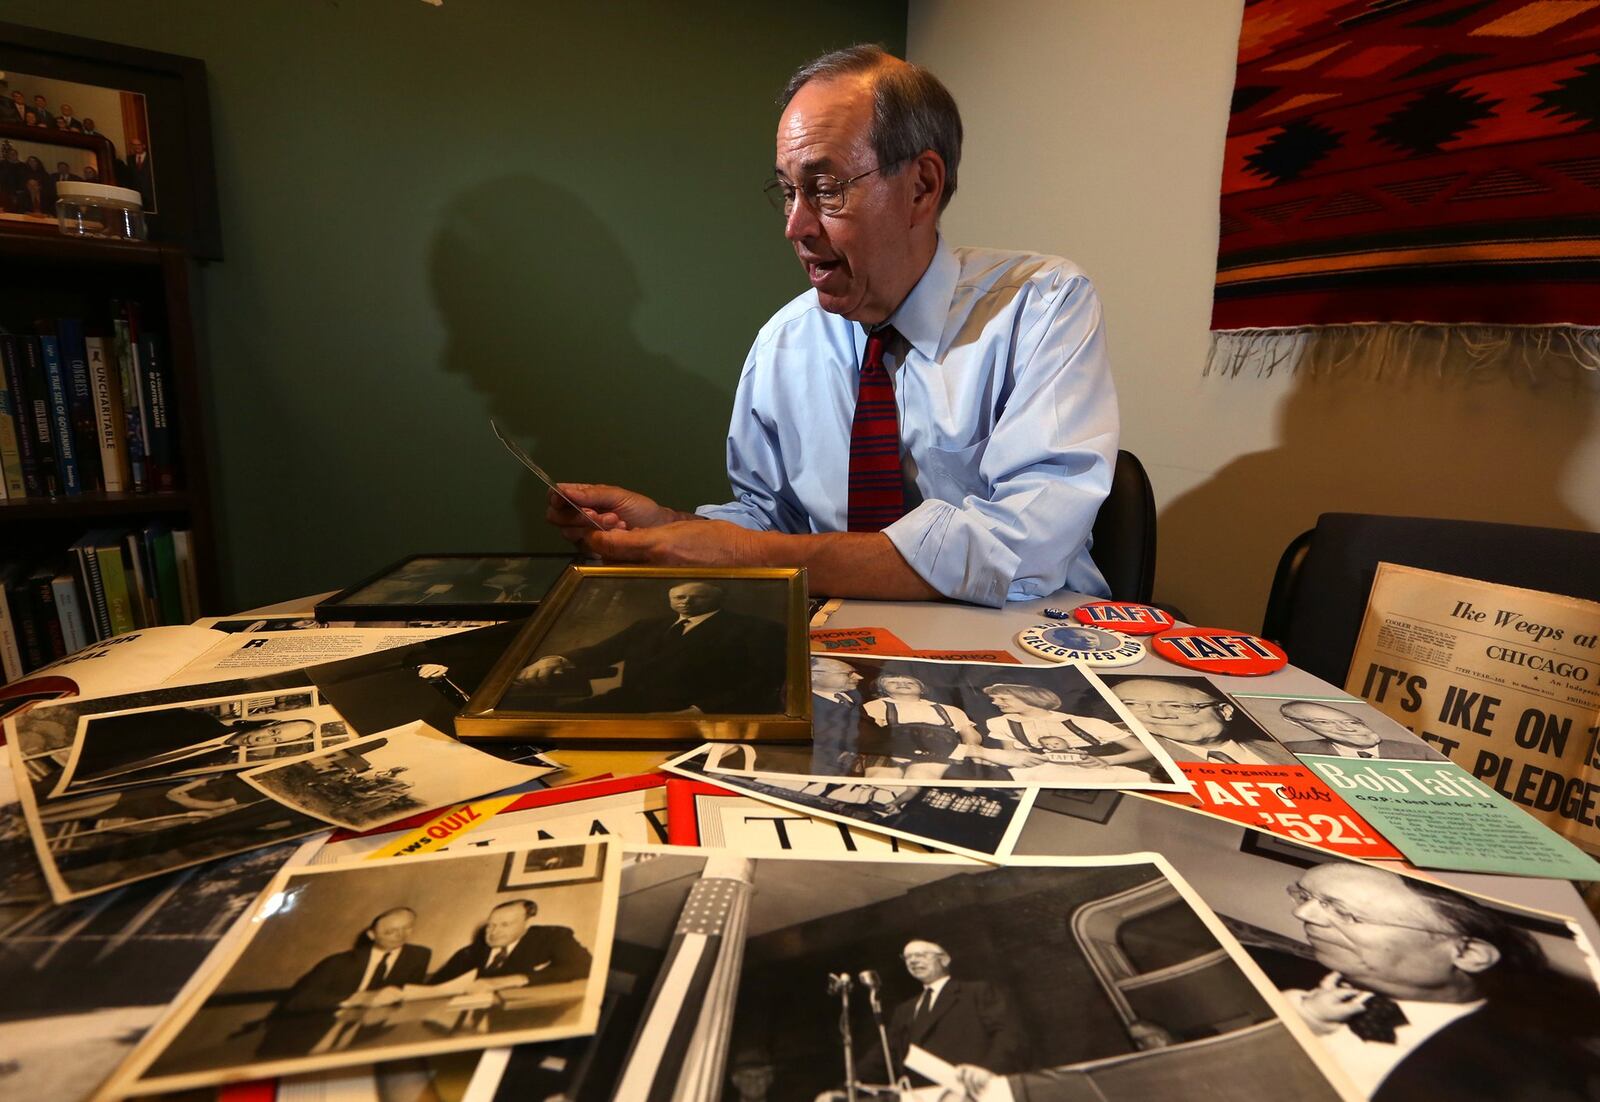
<point>877,491</point>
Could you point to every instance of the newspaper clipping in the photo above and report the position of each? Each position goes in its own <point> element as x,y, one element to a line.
<point>1505,681</point>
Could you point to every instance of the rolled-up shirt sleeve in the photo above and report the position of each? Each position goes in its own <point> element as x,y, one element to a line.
<point>1035,485</point>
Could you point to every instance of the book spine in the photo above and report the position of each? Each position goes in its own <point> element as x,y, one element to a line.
<point>22,411</point>
<point>158,541</point>
<point>163,442</point>
<point>70,611</point>
<point>97,592</point>
<point>29,640</point>
<point>114,579</point>
<point>111,430</point>
<point>80,401</point>
<point>133,425</point>
<point>10,453</point>
<point>188,579</point>
<point>37,392</point>
<point>10,653</point>
<point>61,436</point>
<point>138,581</point>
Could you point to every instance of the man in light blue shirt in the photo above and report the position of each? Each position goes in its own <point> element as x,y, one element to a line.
<point>1007,418</point>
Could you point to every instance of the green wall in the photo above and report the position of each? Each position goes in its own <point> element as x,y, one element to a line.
<point>548,213</point>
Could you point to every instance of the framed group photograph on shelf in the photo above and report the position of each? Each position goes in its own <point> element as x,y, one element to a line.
<point>655,654</point>
<point>148,115</point>
<point>34,161</point>
<point>506,585</point>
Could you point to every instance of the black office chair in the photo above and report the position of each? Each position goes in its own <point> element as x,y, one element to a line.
<point>1319,593</point>
<point>1124,546</point>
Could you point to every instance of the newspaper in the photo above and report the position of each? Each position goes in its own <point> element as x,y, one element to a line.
<point>1505,681</point>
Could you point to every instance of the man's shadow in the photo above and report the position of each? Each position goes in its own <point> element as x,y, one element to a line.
<point>1412,443</point>
<point>537,298</point>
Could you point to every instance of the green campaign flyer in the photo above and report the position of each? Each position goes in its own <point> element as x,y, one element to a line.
<point>1441,817</point>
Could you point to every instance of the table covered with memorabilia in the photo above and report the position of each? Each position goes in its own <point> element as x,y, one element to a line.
<point>687,834</point>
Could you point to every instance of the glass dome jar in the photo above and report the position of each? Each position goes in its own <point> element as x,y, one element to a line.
<point>99,210</point>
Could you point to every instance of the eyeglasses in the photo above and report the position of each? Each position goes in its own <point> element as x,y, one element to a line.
<point>922,954</point>
<point>1344,916</point>
<point>823,194</point>
<point>1178,707</point>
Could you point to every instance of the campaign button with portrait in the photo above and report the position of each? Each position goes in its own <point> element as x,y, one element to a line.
<point>1074,643</point>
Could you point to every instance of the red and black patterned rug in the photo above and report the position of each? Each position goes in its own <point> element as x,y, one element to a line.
<point>1430,161</point>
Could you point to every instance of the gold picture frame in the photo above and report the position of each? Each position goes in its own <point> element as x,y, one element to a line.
<point>718,655</point>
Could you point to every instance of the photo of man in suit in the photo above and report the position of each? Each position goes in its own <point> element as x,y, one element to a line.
<point>511,952</point>
<point>370,973</point>
<point>835,713</point>
<point>959,1021</point>
<point>145,746</point>
<point>702,657</point>
<point>1195,724</point>
<point>1335,730</point>
<point>1421,992</point>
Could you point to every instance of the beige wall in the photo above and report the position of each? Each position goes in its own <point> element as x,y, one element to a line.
<point>1094,130</point>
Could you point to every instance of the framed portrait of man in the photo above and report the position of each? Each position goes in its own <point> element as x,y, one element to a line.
<point>652,654</point>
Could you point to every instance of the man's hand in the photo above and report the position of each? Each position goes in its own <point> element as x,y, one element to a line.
<point>609,506</point>
<point>1329,1005</point>
<point>974,1078</point>
<point>684,543</point>
<point>547,667</point>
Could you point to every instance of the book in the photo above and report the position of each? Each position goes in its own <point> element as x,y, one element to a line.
<point>89,563</point>
<point>69,610</point>
<point>161,440</point>
<point>36,407</point>
<point>132,415</point>
<point>10,454</point>
<point>162,559</point>
<point>61,434</point>
<point>10,652</point>
<point>114,581</point>
<point>138,580</point>
<point>22,412</point>
<point>188,580</point>
<point>20,595</point>
<point>80,402</point>
<point>111,429</point>
<point>41,582</point>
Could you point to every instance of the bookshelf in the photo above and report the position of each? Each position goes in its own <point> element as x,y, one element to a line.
<point>45,275</point>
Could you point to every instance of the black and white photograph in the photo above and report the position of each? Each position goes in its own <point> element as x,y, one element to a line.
<point>681,648</point>
<point>969,724</point>
<point>352,964</point>
<point>198,737</point>
<point>1193,720</point>
<point>55,106</point>
<point>1417,990</point>
<point>661,645</point>
<point>974,822</point>
<point>377,780</point>
<point>1099,978</point>
<point>84,981</point>
<point>1345,728</point>
<point>102,840</point>
<point>454,586</point>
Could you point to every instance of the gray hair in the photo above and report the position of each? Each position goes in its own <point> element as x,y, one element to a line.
<point>911,109</point>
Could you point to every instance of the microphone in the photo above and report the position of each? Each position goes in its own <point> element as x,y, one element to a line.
<point>869,979</point>
<point>838,982</point>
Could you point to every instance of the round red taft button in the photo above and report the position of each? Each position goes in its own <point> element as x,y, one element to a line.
<point>1218,650</point>
<point>1124,616</point>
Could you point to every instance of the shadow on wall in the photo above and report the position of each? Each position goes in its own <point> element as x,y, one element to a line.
<point>536,295</point>
<point>1493,449</point>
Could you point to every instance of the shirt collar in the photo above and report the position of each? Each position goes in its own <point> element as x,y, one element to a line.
<point>921,318</point>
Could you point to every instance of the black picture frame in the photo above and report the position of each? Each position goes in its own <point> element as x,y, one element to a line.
<point>352,604</point>
<point>178,107</point>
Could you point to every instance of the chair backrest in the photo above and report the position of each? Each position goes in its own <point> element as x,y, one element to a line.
<point>1319,596</point>
<point>1124,546</point>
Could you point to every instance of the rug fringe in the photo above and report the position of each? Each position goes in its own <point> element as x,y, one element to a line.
<point>1532,354</point>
